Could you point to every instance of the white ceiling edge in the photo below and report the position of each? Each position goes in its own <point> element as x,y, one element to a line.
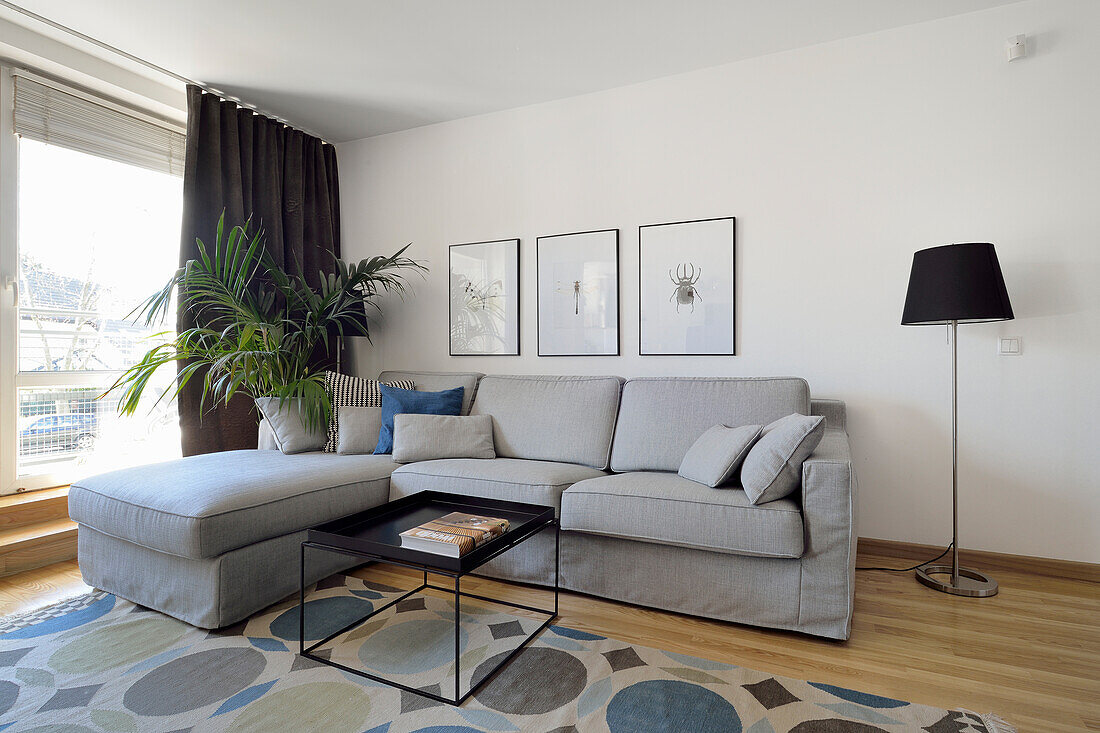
<point>959,8</point>
<point>70,59</point>
<point>24,48</point>
<point>60,59</point>
<point>832,41</point>
<point>372,67</point>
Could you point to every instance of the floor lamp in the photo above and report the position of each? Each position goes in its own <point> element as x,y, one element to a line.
<point>949,285</point>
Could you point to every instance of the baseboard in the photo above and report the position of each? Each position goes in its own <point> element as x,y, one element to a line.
<point>982,560</point>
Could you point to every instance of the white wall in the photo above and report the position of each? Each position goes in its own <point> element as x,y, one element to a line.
<point>839,161</point>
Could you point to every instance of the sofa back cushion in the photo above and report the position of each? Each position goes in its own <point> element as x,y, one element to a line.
<point>661,417</point>
<point>545,418</point>
<point>439,381</point>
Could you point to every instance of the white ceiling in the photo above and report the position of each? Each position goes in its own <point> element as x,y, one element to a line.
<point>348,69</point>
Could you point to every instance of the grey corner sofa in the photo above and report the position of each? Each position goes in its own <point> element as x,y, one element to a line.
<point>211,539</point>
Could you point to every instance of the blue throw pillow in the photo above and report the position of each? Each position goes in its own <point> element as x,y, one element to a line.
<point>397,401</point>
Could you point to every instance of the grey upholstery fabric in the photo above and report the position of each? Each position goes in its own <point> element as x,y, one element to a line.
<point>668,509</point>
<point>357,430</point>
<point>431,437</point>
<point>813,594</point>
<point>535,482</point>
<point>829,501</point>
<point>773,467</point>
<point>717,454</point>
<point>438,381</point>
<point>761,591</point>
<point>834,412</point>
<point>514,479</point>
<point>209,592</point>
<point>214,538</point>
<point>265,440</point>
<point>202,506</point>
<point>543,418</point>
<point>661,417</point>
<point>532,561</point>
<point>285,420</point>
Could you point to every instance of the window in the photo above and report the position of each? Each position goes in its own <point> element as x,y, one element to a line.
<point>98,202</point>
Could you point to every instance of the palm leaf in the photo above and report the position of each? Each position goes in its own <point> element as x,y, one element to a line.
<point>259,326</point>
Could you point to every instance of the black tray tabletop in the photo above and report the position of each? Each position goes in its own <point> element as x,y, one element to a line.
<point>376,532</point>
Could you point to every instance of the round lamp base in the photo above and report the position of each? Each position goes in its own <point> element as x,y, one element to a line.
<point>971,583</point>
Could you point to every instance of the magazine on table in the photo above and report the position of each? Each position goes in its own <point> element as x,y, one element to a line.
<point>454,534</point>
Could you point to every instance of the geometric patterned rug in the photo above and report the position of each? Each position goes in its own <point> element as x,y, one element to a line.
<point>99,663</point>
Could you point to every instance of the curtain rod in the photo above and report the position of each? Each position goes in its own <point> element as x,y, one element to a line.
<point>149,64</point>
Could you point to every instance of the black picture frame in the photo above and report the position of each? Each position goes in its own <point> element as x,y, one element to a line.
<point>512,306</point>
<point>642,294</point>
<point>539,295</point>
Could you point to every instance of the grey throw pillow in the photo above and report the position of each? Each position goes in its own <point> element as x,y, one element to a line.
<point>357,429</point>
<point>265,438</point>
<point>290,431</point>
<point>715,456</point>
<point>773,468</point>
<point>428,437</point>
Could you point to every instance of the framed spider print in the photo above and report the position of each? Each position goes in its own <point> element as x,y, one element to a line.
<point>578,294</point>
<point>484,298</point>
<point>686,288</point>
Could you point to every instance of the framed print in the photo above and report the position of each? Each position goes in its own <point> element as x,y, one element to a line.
<point>686,288</point>
<point>578,294</point>
<point>484,298</point>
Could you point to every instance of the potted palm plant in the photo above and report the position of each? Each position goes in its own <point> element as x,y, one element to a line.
<point>259,329</point>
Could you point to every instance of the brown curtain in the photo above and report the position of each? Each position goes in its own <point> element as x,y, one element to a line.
<point>286,180</point>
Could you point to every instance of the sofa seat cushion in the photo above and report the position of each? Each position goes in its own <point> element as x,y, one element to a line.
<point>512,479</point>
<point>203,506</point>
<point>667,509</point>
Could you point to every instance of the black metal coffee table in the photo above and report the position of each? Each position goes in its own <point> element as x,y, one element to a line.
<point>374,535</point>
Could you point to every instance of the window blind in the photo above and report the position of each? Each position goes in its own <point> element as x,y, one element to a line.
<point>51,115</point>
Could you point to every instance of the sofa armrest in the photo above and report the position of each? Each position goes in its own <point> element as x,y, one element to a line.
<point>834,411</point>
<point>829,521</point>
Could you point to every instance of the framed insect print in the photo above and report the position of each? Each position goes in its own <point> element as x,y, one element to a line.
<point>578,294</point>
<point>686,288</point>
<point>484,298</point>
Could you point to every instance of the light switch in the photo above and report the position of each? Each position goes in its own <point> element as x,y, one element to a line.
<point>1009,347</point>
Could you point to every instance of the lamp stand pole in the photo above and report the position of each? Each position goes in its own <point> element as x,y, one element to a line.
<point>951,578</point>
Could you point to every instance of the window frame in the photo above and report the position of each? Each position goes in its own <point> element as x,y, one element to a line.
<point>9,294</point>
<point>11,379</point>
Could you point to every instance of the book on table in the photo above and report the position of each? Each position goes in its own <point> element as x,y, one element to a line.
<point>454,534</point>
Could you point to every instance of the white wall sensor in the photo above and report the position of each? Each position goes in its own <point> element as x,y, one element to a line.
<point>1016,47</point>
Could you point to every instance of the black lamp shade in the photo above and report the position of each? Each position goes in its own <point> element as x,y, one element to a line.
<point>956,282</point>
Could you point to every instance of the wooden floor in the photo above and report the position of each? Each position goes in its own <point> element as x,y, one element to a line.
<point>1030,654</point>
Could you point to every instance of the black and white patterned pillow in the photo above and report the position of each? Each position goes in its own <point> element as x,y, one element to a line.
<point>345,391</point>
